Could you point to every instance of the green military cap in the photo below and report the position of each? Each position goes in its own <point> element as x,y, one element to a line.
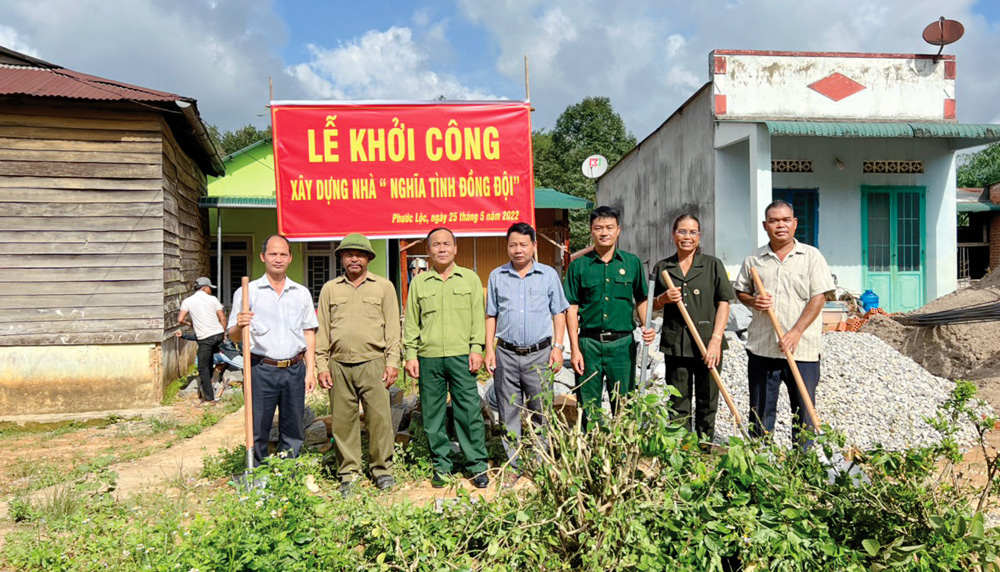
<point>356,241</point>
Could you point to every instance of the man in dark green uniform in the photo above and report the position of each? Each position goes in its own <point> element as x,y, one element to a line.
<point>604,287</point>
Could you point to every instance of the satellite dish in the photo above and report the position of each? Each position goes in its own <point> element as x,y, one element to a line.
<point>594,166</point>
<point>942,33</point>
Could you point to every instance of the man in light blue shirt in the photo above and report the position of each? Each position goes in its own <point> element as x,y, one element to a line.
<point>283,325</point>
<point>525,324</point>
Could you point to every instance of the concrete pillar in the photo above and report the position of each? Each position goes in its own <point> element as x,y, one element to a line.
<point>760,181</point>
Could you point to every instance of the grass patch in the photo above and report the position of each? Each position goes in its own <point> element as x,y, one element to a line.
<point>174,387</point>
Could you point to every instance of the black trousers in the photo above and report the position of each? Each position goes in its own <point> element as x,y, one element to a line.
<point>766,376</point>
<point>206,364</point>
<point>690,376</point>
<point>283,388</point>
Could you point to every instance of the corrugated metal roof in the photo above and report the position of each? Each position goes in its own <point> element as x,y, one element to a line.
<point>544,199</point>
<point>61,82</point>
<point>963,130</point>
<point>552,199</point>
<point>238,202</point>
<point>976,207</point>
<point>888,130</point>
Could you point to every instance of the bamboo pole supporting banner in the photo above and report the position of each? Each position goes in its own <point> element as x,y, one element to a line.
<point>247,383</point>
<point>788,355</point>
<point>704,351</point>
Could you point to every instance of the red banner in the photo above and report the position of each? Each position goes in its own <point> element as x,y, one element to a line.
<point>395,170</point>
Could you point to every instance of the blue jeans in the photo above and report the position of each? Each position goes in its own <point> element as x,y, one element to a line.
<point>765,376</point>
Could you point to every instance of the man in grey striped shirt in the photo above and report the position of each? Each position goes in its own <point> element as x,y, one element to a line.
<point>526,318</point>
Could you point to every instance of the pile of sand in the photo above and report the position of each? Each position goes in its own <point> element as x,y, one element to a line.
<point>966,351</point>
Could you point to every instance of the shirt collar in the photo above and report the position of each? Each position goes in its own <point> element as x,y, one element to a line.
<point>456,270</point>
<point>799,248</point>
<point>509,268</point>
<point>290,284</point>
<point>696,261</point>
<point>343,278</point>
<point>597,258</point>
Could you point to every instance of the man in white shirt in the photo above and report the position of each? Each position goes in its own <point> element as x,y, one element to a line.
<point>282,322</point>
<point>209,323</point>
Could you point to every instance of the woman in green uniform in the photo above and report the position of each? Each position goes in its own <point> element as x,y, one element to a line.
<point>702,284</point>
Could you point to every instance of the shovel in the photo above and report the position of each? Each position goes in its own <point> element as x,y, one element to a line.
<point>248,392</point>
<point>714,372</point>
<point>810,409</point>
<point>838,463</point>
<point>649,320</point>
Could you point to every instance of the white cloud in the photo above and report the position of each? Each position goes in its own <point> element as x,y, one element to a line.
<point>379,65</point>
<point>10,39</point>
<point>649,56</point>
<point>219,53</point>
<point>675,45</point>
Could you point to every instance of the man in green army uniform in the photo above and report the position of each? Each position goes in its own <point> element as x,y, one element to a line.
<point>604,287</point>
<point>443,338</point>
<point>357,356</point>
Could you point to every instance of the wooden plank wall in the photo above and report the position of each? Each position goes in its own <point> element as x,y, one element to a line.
<point>81,224</point>
<point>185,247</point>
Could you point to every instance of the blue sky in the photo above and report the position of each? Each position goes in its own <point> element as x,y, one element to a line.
<point>648,56</point>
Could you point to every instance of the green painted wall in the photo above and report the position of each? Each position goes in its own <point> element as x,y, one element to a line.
<point>251,174</point>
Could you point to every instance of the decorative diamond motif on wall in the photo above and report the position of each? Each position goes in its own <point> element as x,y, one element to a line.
<point>836,86</point>
<point>893,167</point>
<point>791,166</point>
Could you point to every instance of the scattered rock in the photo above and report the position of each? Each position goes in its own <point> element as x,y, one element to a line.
<point>316,433</point>
<point>867,390</point>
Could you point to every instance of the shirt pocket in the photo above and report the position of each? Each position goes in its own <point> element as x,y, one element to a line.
<point>622,288</point>
<point>429,303</point>
<point>462,306</point>
<point>798,285</point>
<point>373,308</point>
<point>338,311</point>
<point>593,287</point>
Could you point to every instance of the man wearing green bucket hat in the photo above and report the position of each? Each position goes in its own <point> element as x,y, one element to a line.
<point>357,357</point>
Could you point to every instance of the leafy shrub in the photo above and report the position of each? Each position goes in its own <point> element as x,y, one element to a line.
<point>637,493</point>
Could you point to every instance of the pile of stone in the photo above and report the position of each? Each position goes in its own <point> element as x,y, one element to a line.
<point>868,391</point>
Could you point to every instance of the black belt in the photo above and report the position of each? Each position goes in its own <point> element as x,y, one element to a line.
<point>604,336</point>
<point>524,350</point>
<point>256,359</point>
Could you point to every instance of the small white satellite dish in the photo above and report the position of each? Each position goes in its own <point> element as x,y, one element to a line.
<point>594,166</point>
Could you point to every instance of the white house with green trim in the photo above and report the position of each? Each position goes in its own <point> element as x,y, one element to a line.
<point>863,146</point>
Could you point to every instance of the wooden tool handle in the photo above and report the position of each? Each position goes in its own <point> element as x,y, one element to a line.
<point>247,382</point>
<point>704,351</point>
<point>810,409</point>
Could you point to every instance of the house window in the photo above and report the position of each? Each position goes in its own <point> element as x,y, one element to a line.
<point>805,202</point>
<point>236,252</point>
<point>322,265</point>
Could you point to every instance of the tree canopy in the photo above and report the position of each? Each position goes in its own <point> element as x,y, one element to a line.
<point>229,142</point>
<point>981,168</point>
<point>586,128</point>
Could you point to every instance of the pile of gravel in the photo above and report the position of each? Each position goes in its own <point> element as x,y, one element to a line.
<point>867,390</point>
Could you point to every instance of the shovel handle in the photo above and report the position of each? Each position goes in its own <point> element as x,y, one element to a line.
<point>788,355</point>
<point>247,382</point>
<point>704,351</point>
